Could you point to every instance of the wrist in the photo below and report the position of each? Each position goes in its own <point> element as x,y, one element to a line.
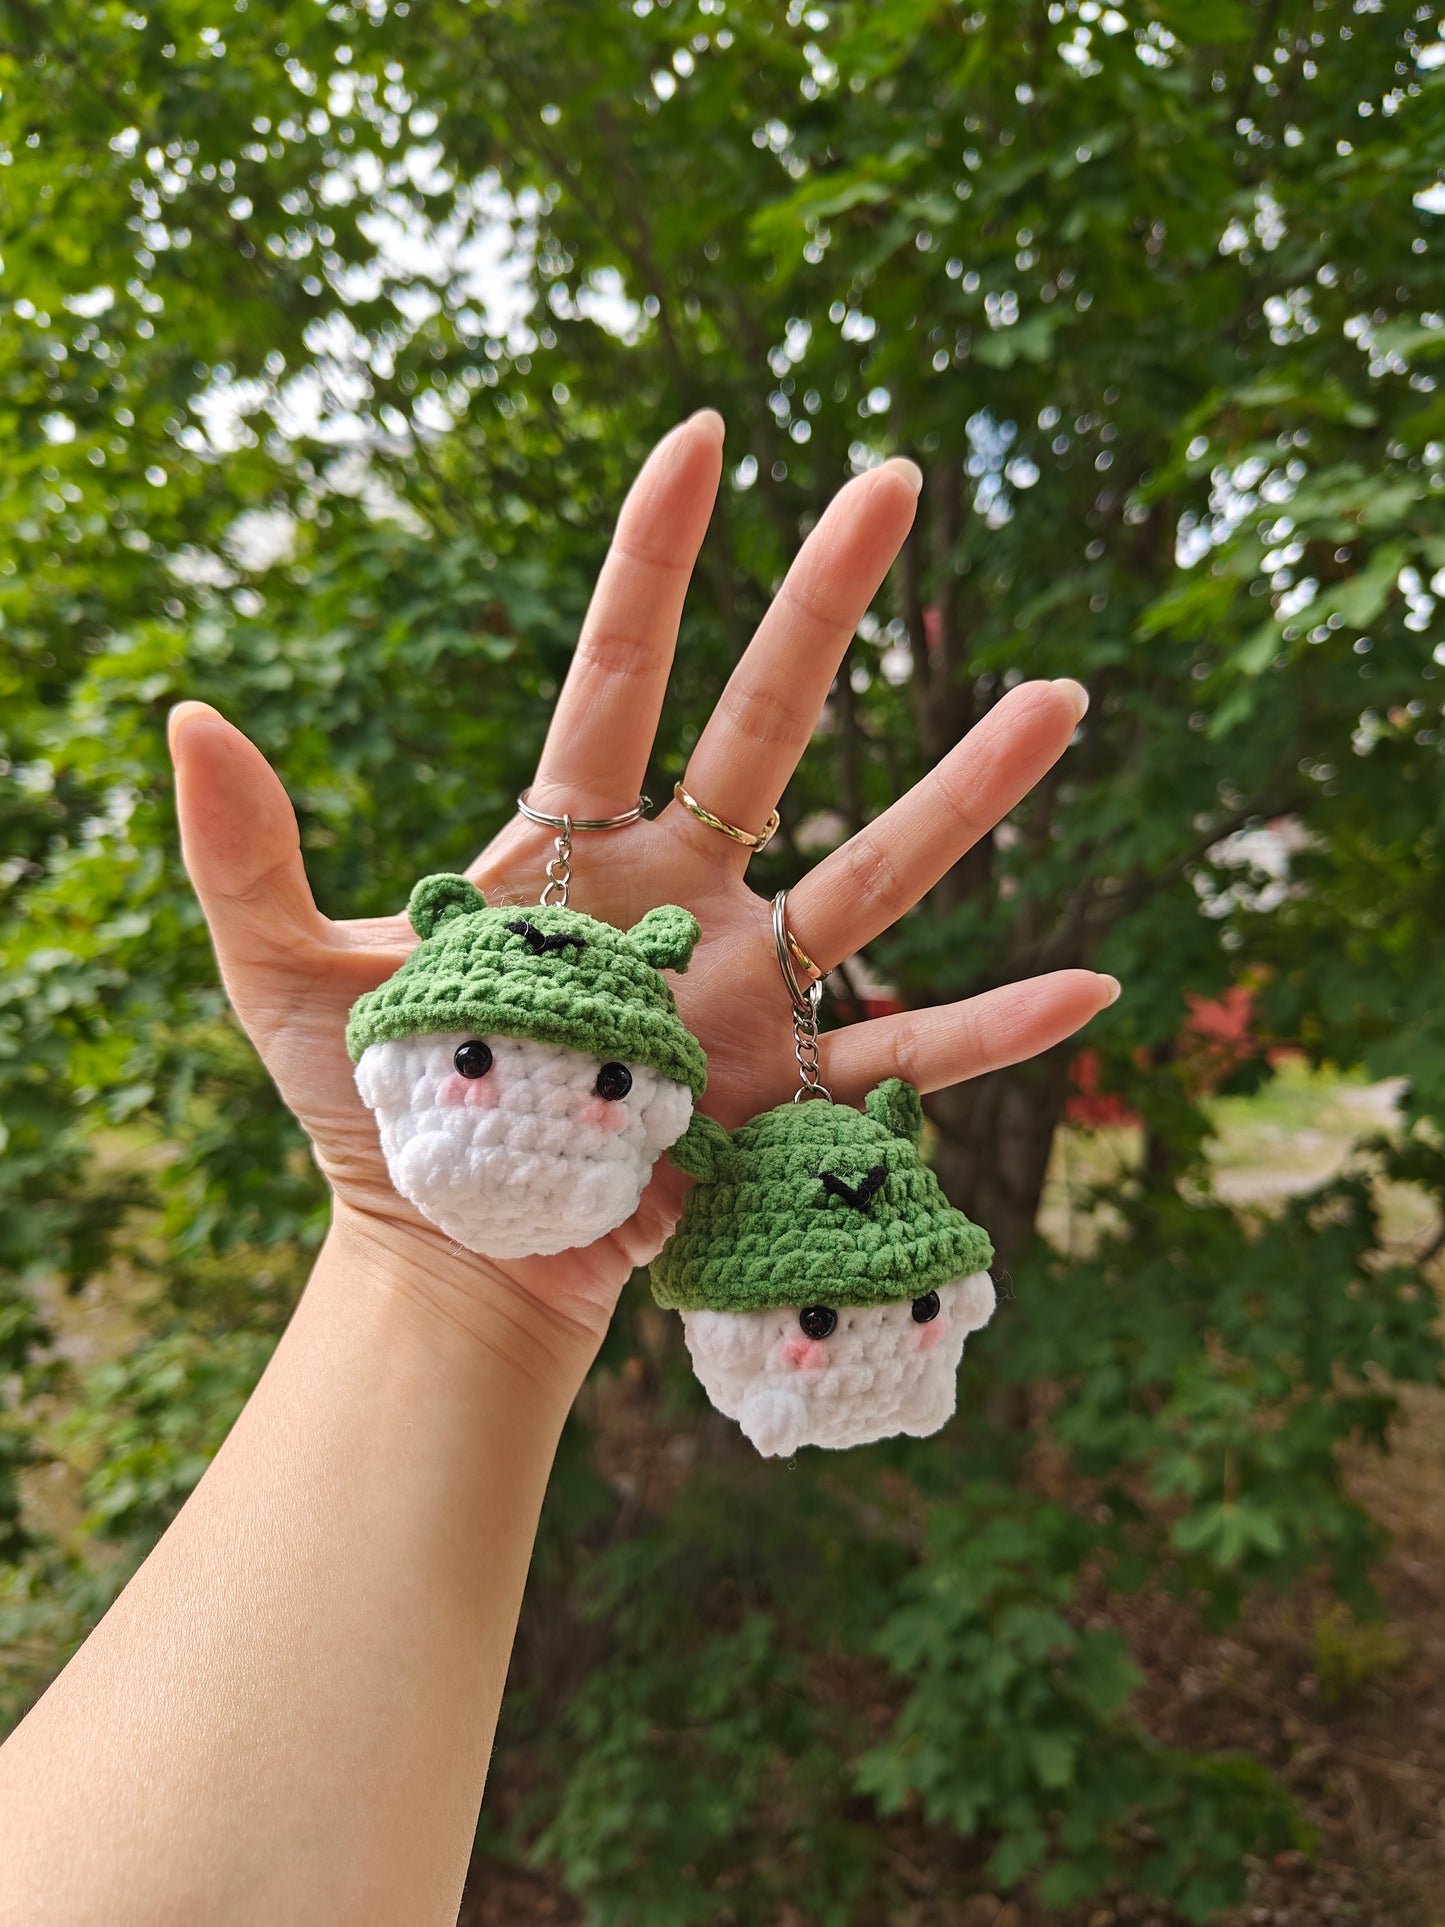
<point>468,1309</point>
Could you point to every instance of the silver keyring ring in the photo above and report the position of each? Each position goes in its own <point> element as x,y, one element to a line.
<point>566,824</point>
<point>783,938</point>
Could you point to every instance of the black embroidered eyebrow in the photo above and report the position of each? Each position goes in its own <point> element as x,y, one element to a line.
<point>861,1198</point>
<point>539,941</point>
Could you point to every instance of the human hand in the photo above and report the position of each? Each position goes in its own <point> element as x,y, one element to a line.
<point>293,974</point>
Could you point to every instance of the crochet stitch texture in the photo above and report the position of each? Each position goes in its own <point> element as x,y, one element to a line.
<point>527,1158</point>
<point>602,995</point>
<point>877,1373</point>
<point>761,1230</point>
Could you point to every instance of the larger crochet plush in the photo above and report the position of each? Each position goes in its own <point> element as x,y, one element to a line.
<point>527,1068</point>
<point>826,1285</point>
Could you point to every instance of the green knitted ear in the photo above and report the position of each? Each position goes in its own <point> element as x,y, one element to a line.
<point>704,1150</point>
<point>665,936</point>
<point>436,900</point>
<point>897,1107</point>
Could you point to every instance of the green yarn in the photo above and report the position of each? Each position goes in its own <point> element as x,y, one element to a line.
<point>665,936</point>
<point>603,996</point>
<point>435,900</point>
<point>760,1230</point>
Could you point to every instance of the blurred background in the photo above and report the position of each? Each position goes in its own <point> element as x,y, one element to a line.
<point>333,336</point>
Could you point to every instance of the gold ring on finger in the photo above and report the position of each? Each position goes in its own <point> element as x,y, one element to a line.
<point>751,841</point>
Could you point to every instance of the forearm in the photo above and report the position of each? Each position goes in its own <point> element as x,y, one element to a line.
<point>288,1713</point>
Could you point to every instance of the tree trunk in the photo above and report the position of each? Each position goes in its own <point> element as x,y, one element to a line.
<point>995,1135</point>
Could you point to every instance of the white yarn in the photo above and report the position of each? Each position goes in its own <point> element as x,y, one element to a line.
<point>879,1372</point>
<point>526,1160</point>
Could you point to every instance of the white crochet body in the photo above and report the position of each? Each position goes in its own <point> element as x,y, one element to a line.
<point>527,1159</point>
<point>879,1372</point>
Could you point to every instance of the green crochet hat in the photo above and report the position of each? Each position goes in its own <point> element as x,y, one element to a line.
<point>546,973</point>
<point>814,1204</point>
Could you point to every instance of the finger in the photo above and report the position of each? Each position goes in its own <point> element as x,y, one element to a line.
<point>766,715</point>
<point>869,881</point>
<point>239,838</point>
<point>935,1048</point>
<point>601,733</point>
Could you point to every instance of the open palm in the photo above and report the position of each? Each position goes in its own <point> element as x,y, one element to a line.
<point>292,974</point>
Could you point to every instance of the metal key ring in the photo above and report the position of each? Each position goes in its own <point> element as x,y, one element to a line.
<point>559,869</point>
<point>568,824</point>
<point>790,954</point>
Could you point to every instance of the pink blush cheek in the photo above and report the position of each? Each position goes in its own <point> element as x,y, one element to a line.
<point>477,1093</point>
<point>604,1114</point>
<point>928,1335</point>
<point>801,1353</point>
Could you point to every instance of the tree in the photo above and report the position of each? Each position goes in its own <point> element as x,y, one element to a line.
<point>1151,295</point>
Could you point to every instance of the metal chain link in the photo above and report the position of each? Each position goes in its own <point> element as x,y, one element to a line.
<point>805,1004</point>
<point>805,1047</point>
<point>559,868</point>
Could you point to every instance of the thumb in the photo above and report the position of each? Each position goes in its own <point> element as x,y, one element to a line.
<point>239,839</point>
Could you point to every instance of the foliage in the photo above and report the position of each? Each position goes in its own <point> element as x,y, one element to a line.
<point>151,1423</point>
<point>730,1704</point>
<point>693,1749</point>
<point>1151,295</point>
<point>1348,1652</point>
<point>139,1434</point>
<point>1207,1384</point>
<point>983,1637</point>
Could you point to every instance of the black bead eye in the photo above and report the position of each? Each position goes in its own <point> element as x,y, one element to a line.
<point>818,1321</point>
<point>926,1308</point>
<point>614,1081</point>
<point>473,1059</point>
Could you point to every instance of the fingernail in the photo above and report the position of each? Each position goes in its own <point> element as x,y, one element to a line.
<point>1077,695</point>
<point>907,471</point>
<point>1112,988</point>
<point>712,418</point>
<point>177,716</point>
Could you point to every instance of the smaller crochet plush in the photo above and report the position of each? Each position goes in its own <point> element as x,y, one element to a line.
<point>826,1284</point>
<point>527,1067</point>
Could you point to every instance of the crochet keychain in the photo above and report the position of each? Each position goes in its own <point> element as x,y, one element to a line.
<point>528,1068</point>
<point>826,1285</point>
